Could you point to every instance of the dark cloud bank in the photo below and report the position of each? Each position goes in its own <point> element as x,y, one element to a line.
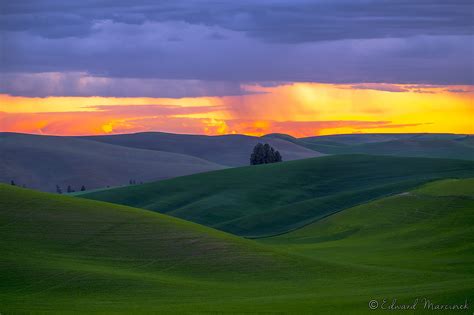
<point>216,45</point>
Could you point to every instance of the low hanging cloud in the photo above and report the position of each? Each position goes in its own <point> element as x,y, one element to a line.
<point>82,84</point>
<point>155,110</point>
<point>462,91</point>
<point>380,87</point>
<point>396,88</point>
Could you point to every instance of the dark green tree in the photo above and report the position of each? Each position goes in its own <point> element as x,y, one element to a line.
<point>278,157</point>
<point>267,154</point>
<point>83,188</point>
<point>264,154</point>
<point>257,155</point>
<point>12,182</point>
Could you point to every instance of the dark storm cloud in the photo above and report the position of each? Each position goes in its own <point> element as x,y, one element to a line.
<point>208,43</point>
<point>279,21</point>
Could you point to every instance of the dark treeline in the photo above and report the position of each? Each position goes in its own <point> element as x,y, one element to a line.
<point>69,189</point>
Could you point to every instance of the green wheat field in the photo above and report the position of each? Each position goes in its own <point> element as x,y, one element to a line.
<point>340,236</point>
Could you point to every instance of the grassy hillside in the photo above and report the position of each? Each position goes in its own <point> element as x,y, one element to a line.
<point>382,137</point>
<point>231,150</point>
<point>428,228</point>
<point>52,247</point>
<point>429,148</point>
<point>424,232</point>
<point>270,199</point>
<point>414,145</point>
<point>61,254</point>
<point>42,162</point>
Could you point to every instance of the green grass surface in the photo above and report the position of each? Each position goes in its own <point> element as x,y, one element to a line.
<point>436,220</point>
<point>271,199</point>
<point>414,146</point>
<point>53,246</point>
<point>427,231</point>
<point>63,254</point>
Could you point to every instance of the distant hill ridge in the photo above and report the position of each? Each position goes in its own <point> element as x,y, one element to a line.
<point>443,145</point>
<point>42,162</point>
<point>230,150</point>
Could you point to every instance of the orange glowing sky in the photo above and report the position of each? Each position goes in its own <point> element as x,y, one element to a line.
<point>299,109</point>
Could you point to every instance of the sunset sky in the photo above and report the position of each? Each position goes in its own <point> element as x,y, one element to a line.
<point>253,67</point>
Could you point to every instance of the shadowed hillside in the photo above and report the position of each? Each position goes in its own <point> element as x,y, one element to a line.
<point>231,150</point>
<point>42,162</point>
<point>413,145</point>
<point>274,198</point>
<point>383,137</point>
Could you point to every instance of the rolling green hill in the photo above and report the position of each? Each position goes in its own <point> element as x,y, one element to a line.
<point>52,247</point>
<point>411,145</point>
<point>67,255</point>
<point>428,228</point>
<point>271,199</point>
<point>426,231</point>
<point>416,148</point>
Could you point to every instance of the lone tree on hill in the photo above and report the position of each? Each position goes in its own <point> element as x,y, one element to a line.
<point>264,154</point>
<point>83,188</point>
<point>12,182</point>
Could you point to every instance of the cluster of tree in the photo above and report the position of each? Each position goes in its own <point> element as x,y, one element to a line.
<point>134,182</point>
<point>69,189</point>
<point>264,154</point>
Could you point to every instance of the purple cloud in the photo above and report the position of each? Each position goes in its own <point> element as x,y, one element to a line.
<point>199,48</point>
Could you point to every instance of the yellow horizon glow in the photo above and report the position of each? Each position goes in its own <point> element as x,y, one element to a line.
<point>291,108</point>
<point>63,104</point>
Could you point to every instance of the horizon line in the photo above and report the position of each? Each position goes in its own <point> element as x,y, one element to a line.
<point>241,134</point>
